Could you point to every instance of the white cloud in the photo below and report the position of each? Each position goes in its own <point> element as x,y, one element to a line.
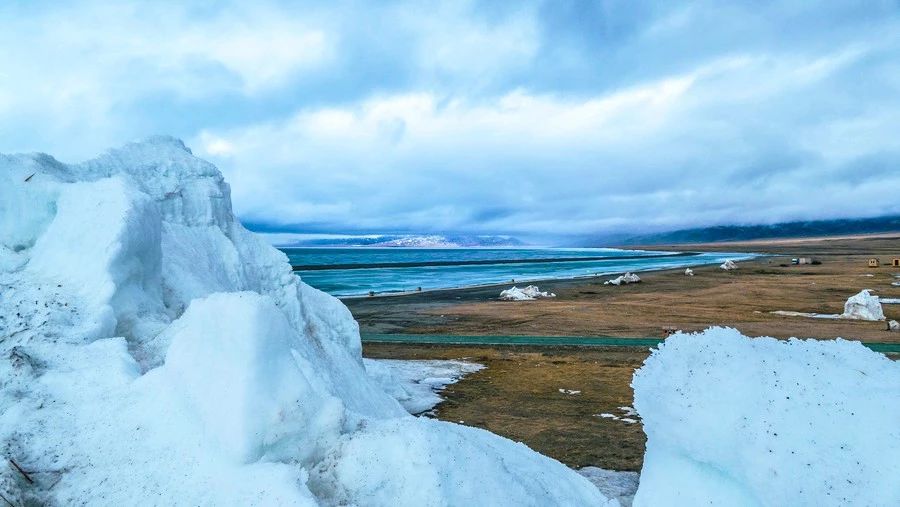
<point>671,152</point>
<point>529,117</point>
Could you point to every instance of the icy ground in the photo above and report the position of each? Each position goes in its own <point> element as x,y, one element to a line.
<point>154,352</point>
<point>417,384</point>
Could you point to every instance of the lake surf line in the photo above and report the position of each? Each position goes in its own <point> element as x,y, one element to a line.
<point>482,262</point>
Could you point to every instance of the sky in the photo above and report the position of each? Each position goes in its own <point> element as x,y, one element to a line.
<point>532,118</point>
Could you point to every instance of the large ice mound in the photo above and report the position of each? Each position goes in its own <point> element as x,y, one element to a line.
<point>153,351</point>
<point>863,306</point>
<point>737,421</point>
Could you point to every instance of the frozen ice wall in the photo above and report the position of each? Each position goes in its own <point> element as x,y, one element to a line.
<point>153,351</point>
<point>737,421</point>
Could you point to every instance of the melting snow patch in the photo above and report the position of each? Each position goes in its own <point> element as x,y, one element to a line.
<point>416,384</point>
<point>569,391</point>
<point>529,293</point>
<point>788,313</point>
<point>630,415</point>
<point>889,301</point>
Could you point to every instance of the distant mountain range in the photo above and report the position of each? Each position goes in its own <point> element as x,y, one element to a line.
<point>782,230</point>
<point>404,241</point>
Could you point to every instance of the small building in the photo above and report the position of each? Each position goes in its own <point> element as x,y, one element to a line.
<point>802,260</point>
<point>873,263</point>
<point>895,262</point>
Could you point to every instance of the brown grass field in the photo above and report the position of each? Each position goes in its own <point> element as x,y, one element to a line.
<point>517,395</point>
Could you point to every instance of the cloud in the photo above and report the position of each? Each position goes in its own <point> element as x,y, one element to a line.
<point>535,118</point>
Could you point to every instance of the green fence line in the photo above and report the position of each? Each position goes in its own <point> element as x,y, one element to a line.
<point>578,341</point>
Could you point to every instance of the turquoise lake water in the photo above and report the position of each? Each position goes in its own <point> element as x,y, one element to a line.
<point>358,271</point>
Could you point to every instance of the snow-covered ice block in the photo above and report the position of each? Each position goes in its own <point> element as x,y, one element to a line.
<point>863,306</point>
<point>155,351</point>
<point>529,293</point>
<point>623,279</point>
<point>732,420</point>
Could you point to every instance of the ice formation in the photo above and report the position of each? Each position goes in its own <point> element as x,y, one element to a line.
<point>154,351</point>
<point>529,293</point>
<point>738,421</point>
<point>623,279</point>
<point>893,325</point>
<point>863,306</point>
<point>728,265</point>
<point>688,272</point>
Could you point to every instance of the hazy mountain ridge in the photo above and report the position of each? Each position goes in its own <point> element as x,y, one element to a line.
<point>408,241</point>
<point>782,230</point>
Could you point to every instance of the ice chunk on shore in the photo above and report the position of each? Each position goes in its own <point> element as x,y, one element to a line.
<point>155,351</point>
<point>688,272</point>
<point>863,306</point>
<point>728,265</point>
<point>529,293</point>
<point>623,279</point>
<point>732,420</point>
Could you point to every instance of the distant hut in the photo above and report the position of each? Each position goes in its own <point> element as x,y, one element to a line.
<point>873,263</point>
<point>895,262</point>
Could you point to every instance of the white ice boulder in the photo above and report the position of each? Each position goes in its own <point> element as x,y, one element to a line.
<point>728,265</point>
<point>529,293</point>
<point>688,272</point>
<point>863,306</point>
<point>623,279</point>
<point>893,325</point>
<point>736,421</point>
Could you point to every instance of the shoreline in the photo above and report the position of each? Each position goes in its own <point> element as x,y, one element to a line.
<point>518,396</point>
<point>666,298</point>
<point>740,257</point>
